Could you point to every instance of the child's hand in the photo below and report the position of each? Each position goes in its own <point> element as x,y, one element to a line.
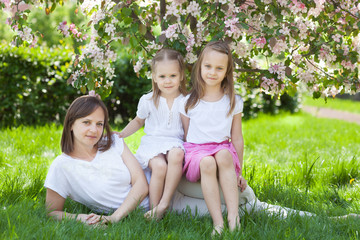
<point>241,181</point>
<point>120,134</point>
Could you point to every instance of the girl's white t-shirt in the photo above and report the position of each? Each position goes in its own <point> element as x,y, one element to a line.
<point>209,121</point>
<point>161,121</point>
<point>102,184</point>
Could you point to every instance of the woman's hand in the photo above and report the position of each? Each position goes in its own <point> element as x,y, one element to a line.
<point>93,218</point>
<point>241,181</point>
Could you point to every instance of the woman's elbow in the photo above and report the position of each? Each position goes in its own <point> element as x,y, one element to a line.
<point>145,189</point>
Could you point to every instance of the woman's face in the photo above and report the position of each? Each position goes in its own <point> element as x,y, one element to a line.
<point>88,130</point>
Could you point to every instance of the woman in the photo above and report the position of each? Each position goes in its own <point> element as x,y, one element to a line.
<point>95,168</point>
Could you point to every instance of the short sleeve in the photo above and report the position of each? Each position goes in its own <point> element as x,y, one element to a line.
<point>56,179</point>
<point>182,104</point>
<point>118,144</point>
<point>239,105</point>
<point>143,108</point>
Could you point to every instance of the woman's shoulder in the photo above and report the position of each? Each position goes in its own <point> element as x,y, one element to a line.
<point>118,143</point>
<point>60,161</point>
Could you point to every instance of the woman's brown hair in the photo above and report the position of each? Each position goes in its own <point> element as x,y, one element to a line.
<point>168,54</point>
<point>81,107</point>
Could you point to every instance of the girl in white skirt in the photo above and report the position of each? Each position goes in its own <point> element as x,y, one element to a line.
<point>161,149</point>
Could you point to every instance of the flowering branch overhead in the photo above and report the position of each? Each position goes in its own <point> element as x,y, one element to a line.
<point>312,43</point>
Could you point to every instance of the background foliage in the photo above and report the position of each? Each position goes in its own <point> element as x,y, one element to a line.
<point>37,92</point>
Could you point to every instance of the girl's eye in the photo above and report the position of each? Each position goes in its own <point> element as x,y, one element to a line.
<point>100,124</point>
<point>161,76</point>
<point>86,122</point>
<point>173,75</point>
<point>220,68</point>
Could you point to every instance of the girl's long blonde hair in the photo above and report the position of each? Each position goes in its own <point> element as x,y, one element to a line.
<point>168,54</point>
<point>198,83</point>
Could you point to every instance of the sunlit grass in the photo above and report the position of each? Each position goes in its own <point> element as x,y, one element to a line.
<point>296,161</point>
<point>333,103</point>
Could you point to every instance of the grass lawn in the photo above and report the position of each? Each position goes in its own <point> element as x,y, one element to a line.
<point>297,161</point>
<point>334,103</point>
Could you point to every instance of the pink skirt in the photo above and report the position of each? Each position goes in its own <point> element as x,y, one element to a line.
<point>195,152</point>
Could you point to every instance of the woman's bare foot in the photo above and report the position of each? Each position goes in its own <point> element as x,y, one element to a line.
<point>156,213</point>
<point>217,230</point>
<point>234,223</point>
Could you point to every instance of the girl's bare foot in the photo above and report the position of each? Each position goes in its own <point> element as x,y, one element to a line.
<point>156,213</point>
<point>217,230</point>
<point>234,223</point>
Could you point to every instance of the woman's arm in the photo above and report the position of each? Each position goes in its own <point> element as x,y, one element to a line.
<point>238,142</point>
<point>55,205</point>
<point>132,127</point>
<point>185,122</point>
<point>139,189</point>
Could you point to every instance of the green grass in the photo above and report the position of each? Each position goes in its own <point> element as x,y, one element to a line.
<point>333,103</point>
<point>296,161</point>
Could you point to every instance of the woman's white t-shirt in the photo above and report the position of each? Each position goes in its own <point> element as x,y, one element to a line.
<point>209,121</point>
<point>102,184</point>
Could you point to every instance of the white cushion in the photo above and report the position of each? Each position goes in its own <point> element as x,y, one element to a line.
<point>193,189</point>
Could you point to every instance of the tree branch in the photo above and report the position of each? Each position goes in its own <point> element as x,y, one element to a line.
<point>162,13</point>
<point>337,5</point>
<point>328,75</point>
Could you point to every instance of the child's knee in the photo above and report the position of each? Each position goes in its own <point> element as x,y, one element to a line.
<point>158,167</point>
<point>176,155</point>
<point>224,158</point>
<point>208,165</point>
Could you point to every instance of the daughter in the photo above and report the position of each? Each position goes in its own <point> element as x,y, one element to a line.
<point>214,142</point>
<point>161,148</point>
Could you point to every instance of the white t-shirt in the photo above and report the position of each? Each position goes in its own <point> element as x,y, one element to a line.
<point>161,121</point>
<point>209,121</point>
<point>102,184</point>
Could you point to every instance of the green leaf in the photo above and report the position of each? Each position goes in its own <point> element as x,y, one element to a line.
<point>133,41</point>
<point>126,12</point>
<point>245,26</point>
<point>142,29</point>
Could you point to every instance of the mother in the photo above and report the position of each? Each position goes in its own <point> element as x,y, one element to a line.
<point>95,170</point>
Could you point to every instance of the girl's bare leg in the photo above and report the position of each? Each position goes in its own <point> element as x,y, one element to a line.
<point>158,168</point>
<point>210,189</point>
<point>228,183</point>
<point>173,175</point>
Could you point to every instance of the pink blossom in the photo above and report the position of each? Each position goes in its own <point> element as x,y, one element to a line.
<point>193,9</point>
<point>336,37</point>
<point>279,47</point>
<point>348,65</point>
<point>8,21</point>
<point>170,32</point>
<point>138,65</point>
<point>7,3</point>
<point>278,69</point>
<point>64,28</point>
<point>232,29</point>
<point>260,41</point>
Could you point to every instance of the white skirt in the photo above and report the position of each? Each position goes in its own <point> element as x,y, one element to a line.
<point>151,146</point>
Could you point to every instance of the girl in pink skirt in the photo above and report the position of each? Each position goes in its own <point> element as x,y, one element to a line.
<point>214,143</point>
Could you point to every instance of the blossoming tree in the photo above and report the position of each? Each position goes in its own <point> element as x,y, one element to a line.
<point>278,45</point>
